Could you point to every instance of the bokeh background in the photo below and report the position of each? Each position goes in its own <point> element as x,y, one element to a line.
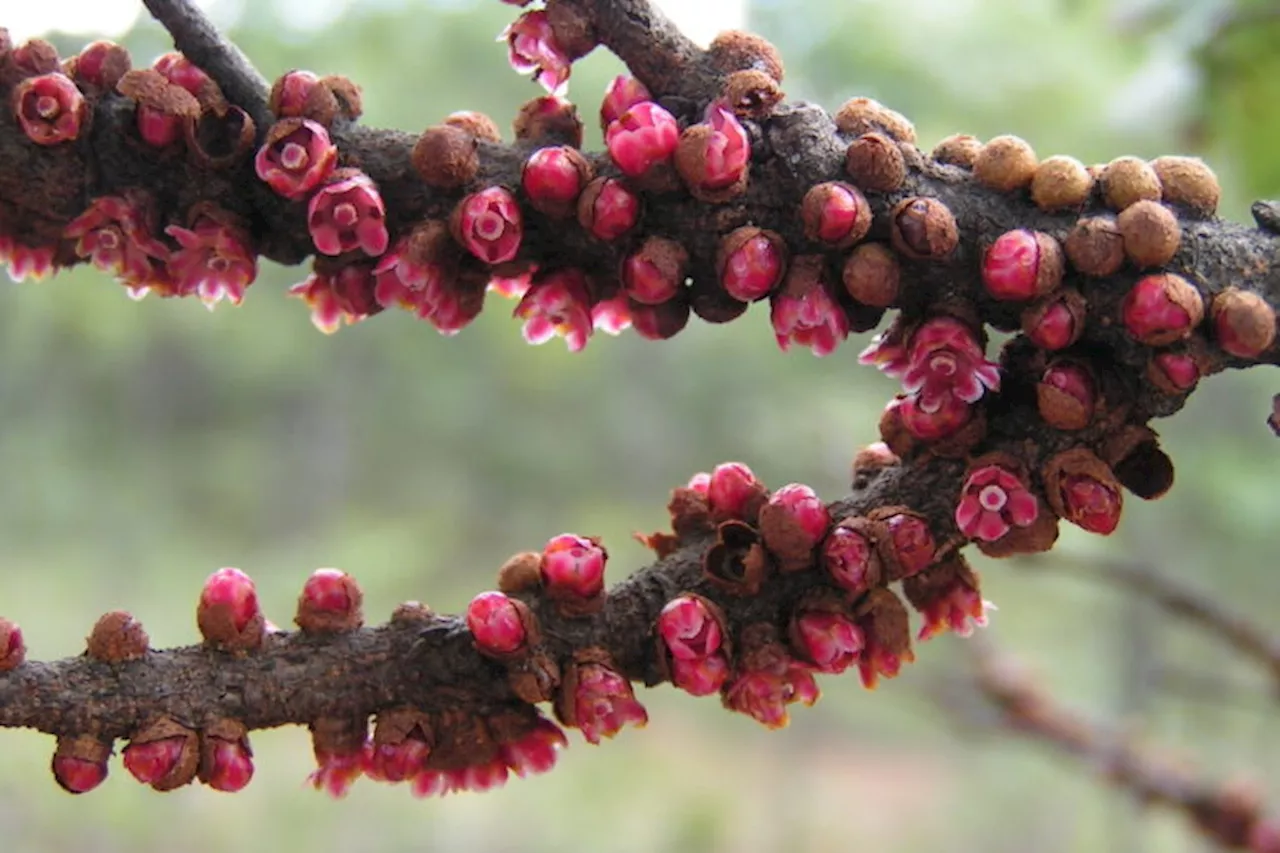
<point>145,445</point>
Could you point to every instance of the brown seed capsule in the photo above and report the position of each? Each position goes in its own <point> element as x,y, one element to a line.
<point>548,121</point>
<point>734,50</point>
<point>1188,181</point>
<point>1139,464</point>
<point>865,115</point>
<point>477,124</point>
<point>350,99</point>
<point>1005,164</point>
<point>1061,183</point>
<point>411,613</point>
<point>1244,324</point>
<point>1151,233</point>
<point>445,157</point>
<point>752,93</point>
<point>871,275</point>
<point>520,573</point>
<point>1095,247</point>
<point>959,149</point>
<point>923,228</point>
<point>875,163</point>
<point>118,637</point>
<point>1127,180</point>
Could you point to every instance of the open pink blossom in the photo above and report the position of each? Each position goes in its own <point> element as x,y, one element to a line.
<point>403,282</point>
<point>214,261</point>
<point>297,161</point>
<point>959,608</point>
<point>603,702</point>
<point>831,641</point>
<point>348,214</point>
<point>992,501</point>
<point>532,48</point>
<point>49,108</point>
<point>612,316</point>
<point>34,262</point>
<point>558,303</point>
<point>700,676</point>
<point>343,297</point>
<point>810,318</point>
<point>488,224</point>
<point>642,137</point>
<point>114,234</point>
<point>336,772</point>
<point>688,628</point>
<point>536,751</point>
<point>945,357</point>
<point>764,694</point>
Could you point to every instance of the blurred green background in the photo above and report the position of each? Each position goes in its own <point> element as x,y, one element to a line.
<point>145,445</point>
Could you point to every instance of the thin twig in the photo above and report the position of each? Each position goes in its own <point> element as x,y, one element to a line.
<point>199,40</point>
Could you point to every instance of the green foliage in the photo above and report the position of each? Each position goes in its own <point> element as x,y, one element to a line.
<point>144,445</point>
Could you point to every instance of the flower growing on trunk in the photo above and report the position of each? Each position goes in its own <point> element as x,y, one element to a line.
<point>557,303</point>
<point>599,701</point>
<point>488,224</point>
<point>992,501</point>
<point>114,234</point>
<point>945,357</point>
<point>214,261</point>
<point>49,108</point>
<point>296,158</point>
<point>532,48</point>
<point>348,214</point>
<point>641,138</point>
<point>804,312</point>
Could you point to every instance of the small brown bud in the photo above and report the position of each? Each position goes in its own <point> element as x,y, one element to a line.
<point>865,115</point>
<point>29,59</point>
<point>752,93</point>
<point>411,613</point>
<point>958,149</point>
<point>873,457</point>
<point>871,275</point>
<point>923,228</point>
<point>1127,180</point>
<point>118,637</point>
<point>350,101</point>
<point>734,50</point>
<point>1005,164</point>
<point>520,573</point>
<point>1188,181</point>
<point>875,163</point>
<point>152,89</point>
<point>1095,246</point>
<point>1151,233</point>
<point>1061,183</point>
<point>1243,323</point>
<point>549,121</point>
<point>716,306</point>
<point>445,157</point>
<point>477,124</point>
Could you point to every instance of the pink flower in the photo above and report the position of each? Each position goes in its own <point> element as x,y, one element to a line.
<point>114,234</point>
<point>731,488</point>
<point>290,93</point>
<point>688,628</point>
<point>35,262</point>
<point>346,296</point>
<point>574,564</point>
<point>700,676</point>
<point>336,772</point>
<point>847,556</point>
<point>495,623</point>
<point>228,764</point>
<point>947,414</point>
<point>958,608</point>
<point>1091,503</point>
<point>642,137</point>
<point>397,762</point>
<point>808,316</point>
<point>348,214</point>
<point>888,352</point>
<point>215,261</point>
<point>557,304</point>
<point>532,47</point>
<point>886,648</point>
<point>512,286</point>
<point>553,177</point>
<point>297,157</point>
<point>831,641</point>
<point>992,501</point>
<point>612,316</point>
<point>722,154</point>
<point>536,751</point>
<point>764,694</point>
<point>608,209</point>
<point>404,283</point>
<point>488,224</point>
<point>603,703</point>
<point>622,94</point>
<point>946,358</point>
<point>49,108</point>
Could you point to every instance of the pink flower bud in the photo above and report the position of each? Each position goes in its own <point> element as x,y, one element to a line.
<point>13,652</point>
<point>348,214</point>
<point>78,775</point>
<point>495,623</point>
<point>688,628</point>
<point>712,157</point>
<point>1091,503</point>
<point>805,313</point>
<point>553,178</point>
<point>536,751</point>
<point>290,93</point>
<point>1066,395</point>
<point>700,483</point>
<point>336,772</point>
<point>656,272</point>
<point>226,761</point>
<point>750,263</point>
<point>612,316</point>
<point>603,702</point>
<point>397,762</point>
<point>1161,309</point>
<point>180,71</point>
<point>101,64</point>
<point>660,322</point>
<point>1179,369</point>
<point>622,94</point>
<point>488,224</point>
<point>732,487</point>
<point>835,213</point>
<point>557,304</point>
<point>228,613</point>
<point>1022,265</point>
<point>992,501</point>
<point>801,504</point>
<point>330,601</point>
<point>158,128</point>
<point>641,138</point>
<point>701,676</point>
<point>911,542</point>
<point>574,564</point>
<point>847,556</point>
<point>946,416</point>
<point>154,760</point>
<point>1055,328</point>
<point>49,108</point>
<point>764,694</point>
<point>296,158</point>
<point>532,48</point>
<point>35,262</point>
<point>831,641</point>
<point>608,209</point>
